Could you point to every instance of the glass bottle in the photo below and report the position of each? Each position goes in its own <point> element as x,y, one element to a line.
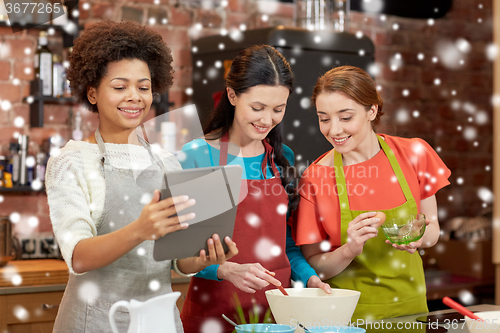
<point>43,64</point>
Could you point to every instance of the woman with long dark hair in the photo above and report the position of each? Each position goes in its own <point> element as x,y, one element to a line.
<point>249,116</point>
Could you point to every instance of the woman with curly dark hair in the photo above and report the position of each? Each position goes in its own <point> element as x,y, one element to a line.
<point>104,218</point>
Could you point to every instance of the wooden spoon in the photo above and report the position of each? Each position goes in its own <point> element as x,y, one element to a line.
<point>280,287</point>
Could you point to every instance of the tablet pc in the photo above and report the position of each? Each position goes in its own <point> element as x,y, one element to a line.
<point>217,193</point>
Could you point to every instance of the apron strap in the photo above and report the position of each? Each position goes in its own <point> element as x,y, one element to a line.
<point>340,180</point>
<point>340,176</point>
<point>269,155</point>
<point>102,149</point>
<point>154,157</point>
<point>396,168</point>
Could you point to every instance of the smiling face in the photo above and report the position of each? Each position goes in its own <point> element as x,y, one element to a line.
<point>257,111</point>
<point>345,123</point>
<point>123,97</point>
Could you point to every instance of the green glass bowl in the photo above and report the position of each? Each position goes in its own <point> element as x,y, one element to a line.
<point>404,230</point>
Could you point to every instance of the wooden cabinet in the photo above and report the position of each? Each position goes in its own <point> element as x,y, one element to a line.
<point>29,313</point>
<point>31,305</point>
<point>181,284</point>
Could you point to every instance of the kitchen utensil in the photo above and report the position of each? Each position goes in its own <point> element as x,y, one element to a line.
<point>229,320</point>
<point>460,308</point>
<point>5,240</point>
<point>313,305</point>
<point>280,287</point>
<point>442,318</point>
<point>404,229</point>
<point>489,323</point>
<point>267,328</point>
<point>156,315</point>
<point>303,327</point>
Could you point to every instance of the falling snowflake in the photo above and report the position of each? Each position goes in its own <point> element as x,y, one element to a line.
<point>211,326</point>
<point>470,133</point>
<point>21,313</point>
<point>19,122</point>
<point>396,62</point>
<point>88,292</point>
<point>374,69</point>
<point>16,279</point>
<point>15,217</point>
<point>235,35</point>
<point>263,249</point>
<point>325,246</point>
<point>141,251</point>
<point>485,194</point>
<point>402,116</point>
<point>466,297</point>
<point>491,51</point>
<point>305,102</point>
<point>298,284</point>
<point>253,220</point>
<point>146,198</point>
<point>154,285</point>
<point>212,73</point>
<point>36,184</point>
<point>326,61</point>
<point>275,251</point>
<point>282,209</point>
<point>33,221</point>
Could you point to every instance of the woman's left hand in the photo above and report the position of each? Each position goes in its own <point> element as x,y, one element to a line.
<point>216,255</point>
<point>315,282</point>
<point>413,246</point>
<point>410,248</point>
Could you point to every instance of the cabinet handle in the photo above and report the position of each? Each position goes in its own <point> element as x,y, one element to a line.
<point>49,306</point>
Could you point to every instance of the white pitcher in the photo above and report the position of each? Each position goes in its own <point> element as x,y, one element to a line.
<point>156,315</point>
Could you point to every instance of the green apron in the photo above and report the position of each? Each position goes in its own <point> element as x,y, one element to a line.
<point>391,281</point>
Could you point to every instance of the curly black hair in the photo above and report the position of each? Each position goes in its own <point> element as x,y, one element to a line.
<point>109,41</point>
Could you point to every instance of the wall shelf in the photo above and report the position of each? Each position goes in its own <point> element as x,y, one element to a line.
<point>20,189</point>
<point>38,102</point>
<point>68,38</point>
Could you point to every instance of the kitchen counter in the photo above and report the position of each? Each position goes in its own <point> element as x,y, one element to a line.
<point>42,275</point>
<point>458,327</point>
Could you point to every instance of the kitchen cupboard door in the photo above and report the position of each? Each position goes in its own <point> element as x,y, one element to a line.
<point>32,328</point>
<point>29,313</point>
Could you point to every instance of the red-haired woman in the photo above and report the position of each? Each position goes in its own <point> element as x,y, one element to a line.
<point>366,172</point>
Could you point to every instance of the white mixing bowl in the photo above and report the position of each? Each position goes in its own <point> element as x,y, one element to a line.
<point>491,323</point>
<point>312,306</point>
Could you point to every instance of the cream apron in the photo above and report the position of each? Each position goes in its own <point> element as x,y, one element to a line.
<point>391,281</point>
<point>88,297</point>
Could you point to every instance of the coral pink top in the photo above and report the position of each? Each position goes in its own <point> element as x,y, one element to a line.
<point>371,185</point>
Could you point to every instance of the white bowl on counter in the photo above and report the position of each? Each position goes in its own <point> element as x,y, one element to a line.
<point>312,307</point>
<point>491,323</point>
